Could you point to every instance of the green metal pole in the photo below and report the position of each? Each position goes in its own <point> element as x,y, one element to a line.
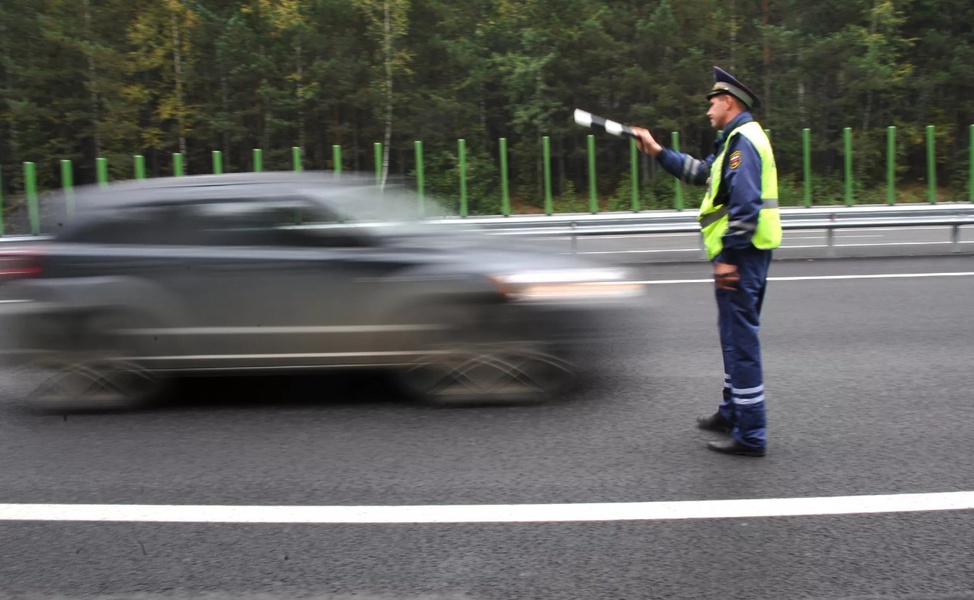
<point>593,199</point>
<point>420,178</point>
<point>767,132</point>
<point>847,150</point>
<point>807,165</point>
<point>931,165</point>
<point>102,169</point>
<point>336,159</point>
<point>139,167</point>
<point>546,153</point>
<point>634,173</point>
<point>505,189</point>
<point>258,160</point>
<point>970,176</point>
<point>67,184</point>
<point>891,165</point>
<point>377,146</point>
<point>177,164</point>
<point>1,201</point>
<point>30,187</point>
<point>462,153</point>
<point>678,186</point>
<point>296,158</point>
<point>217,162</point>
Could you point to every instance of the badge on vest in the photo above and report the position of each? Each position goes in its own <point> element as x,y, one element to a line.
<point>735,159</point>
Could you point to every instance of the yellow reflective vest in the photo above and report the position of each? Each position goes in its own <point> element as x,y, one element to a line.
<point>714,219</point>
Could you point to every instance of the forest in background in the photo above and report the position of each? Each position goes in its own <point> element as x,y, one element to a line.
<point>81,79</point>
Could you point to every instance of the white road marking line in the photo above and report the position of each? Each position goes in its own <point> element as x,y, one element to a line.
<point>494,513</point>
<point>819,277</point>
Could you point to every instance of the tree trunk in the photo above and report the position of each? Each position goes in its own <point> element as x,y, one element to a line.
<point>177,58</point>
<point>92,82</point>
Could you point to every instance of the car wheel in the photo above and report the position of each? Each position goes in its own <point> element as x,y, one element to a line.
<point>98,372</point>
<point>92,382</point>
<point>473,362</point>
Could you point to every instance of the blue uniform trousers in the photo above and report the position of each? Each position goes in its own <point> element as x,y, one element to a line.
<point>738,318</point>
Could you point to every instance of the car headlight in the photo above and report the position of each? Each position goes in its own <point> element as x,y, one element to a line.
<point>567,284</point>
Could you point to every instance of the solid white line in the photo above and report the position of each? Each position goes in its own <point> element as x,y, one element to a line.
<point>493,513</point>
<point>819,277</point>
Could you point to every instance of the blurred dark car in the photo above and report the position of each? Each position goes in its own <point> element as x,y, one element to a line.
<point>269,273</point>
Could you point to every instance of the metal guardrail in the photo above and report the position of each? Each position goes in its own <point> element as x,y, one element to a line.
<point>573,226</point>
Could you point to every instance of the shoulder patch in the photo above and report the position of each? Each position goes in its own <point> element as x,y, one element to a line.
<point>735,159</point>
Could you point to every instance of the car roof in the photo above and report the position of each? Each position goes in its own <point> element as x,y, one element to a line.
<point>193,188</point>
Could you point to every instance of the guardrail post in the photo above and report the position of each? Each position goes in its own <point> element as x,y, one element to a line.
<point>593,199</point>
<point>955,238</point>
<point>67,184</point>
<point>830,238</point>
<point>296,158</point>
<point>634,173</point>
<point>336,159</point>
<point>377,157</point>
<point>30,188</point>
<point>546,151</point>
<point>177,164</point>
<point>217,162</point>
<point>505,186</point>
<point>462,158</point>
<point>139,163</point>
<point>574,226</point>
<point>931,165</point>
<point>258,160</point>
<point>420,183</point>
<point>807,165</point>
<point>847,149</point>
<point>891,165</point>
<point>101,166</point>
<point>678,186</point>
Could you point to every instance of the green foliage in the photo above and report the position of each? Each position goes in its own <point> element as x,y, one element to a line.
<point>81,79</point>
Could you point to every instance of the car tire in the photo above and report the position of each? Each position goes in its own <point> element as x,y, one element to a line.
<point>474,359</point>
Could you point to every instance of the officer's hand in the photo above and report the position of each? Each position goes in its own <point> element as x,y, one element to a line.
<point>726,276</point>
<point>645,141</point>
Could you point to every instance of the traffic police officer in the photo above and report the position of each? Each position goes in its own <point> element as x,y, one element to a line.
<point>740,225</point>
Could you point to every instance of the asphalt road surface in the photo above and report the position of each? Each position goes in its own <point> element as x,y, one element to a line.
<point>869,373</point>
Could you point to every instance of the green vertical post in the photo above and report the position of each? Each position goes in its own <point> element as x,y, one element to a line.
<point>67,184</point>
<point>593,199</point>
<point>546,155</point>
<point>101,165</point>
<point>462,157</point>
<point>505,189</point>
<point>931,165</point>
<point>258,160</point>
<point>139,162</point>
<point>378,162</point>
<point>420,178</point>
<point>970,175</point>
<point>217,162</point>
<point>767,132</point>
<point>336,159</point>
<point>177,164</point>
<point>30,187</point>
<point>296,158</point>
<point>847,152</point>
<point>891,165</point>
<point>807,165</point>
<point>678,186</point>
<point>634,173</point>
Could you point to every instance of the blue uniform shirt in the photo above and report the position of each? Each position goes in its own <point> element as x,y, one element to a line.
<point>740,187</point>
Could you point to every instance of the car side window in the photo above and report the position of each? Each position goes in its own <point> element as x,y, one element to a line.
<point>282,223</point>
<point>140,225</point>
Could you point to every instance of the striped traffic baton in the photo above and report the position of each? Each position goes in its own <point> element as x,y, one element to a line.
<point>587,119</point>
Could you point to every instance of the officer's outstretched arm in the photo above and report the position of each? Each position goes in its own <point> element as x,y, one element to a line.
<point>685,167</point>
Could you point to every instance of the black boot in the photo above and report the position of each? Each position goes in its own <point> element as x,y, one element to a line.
<point>734,447</point>
<point>715,422</point>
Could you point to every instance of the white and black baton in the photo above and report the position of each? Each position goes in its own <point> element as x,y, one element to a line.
<point>587,119</point>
